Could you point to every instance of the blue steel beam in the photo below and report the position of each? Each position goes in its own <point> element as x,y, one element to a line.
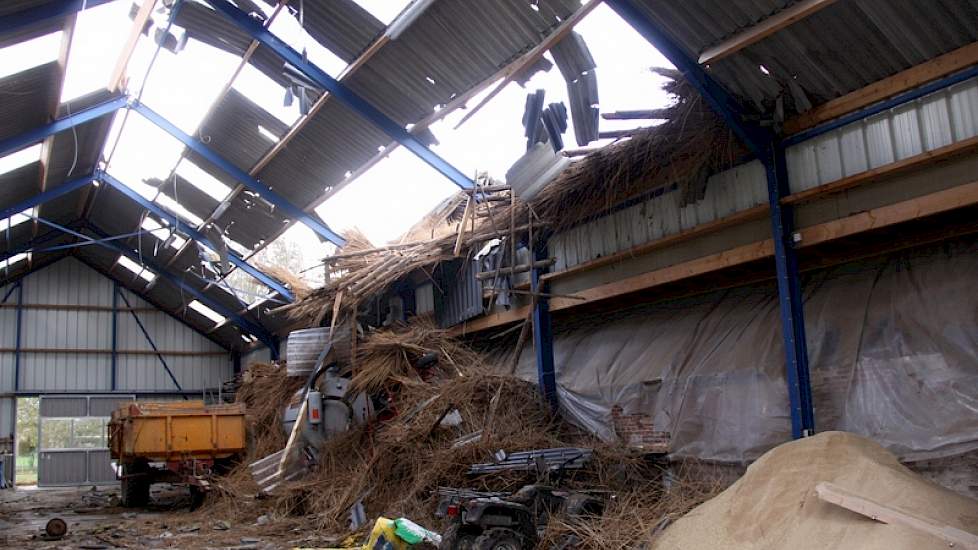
<point>885,105</point>
<point>757,138</point>
<point>49,195</point>
<point>543,340</point>
<point>767,147</point>
<point>29,246</point>
<point>174,221</point>
<point>146,335</point>
<point>38,134</point>
<point>340,91</point>
<point>160,271</point>
<point>251,183</point>
<point>51,10</point>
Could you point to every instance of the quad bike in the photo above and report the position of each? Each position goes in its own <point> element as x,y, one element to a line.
<point>513,522</point>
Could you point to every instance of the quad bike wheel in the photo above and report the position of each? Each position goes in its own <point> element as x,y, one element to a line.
<point>458,538</point>
<point>499,538</point>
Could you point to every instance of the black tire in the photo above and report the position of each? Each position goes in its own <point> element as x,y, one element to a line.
<point>135,487</point>
<point>500,538</point>
<point>197,496</point>
<point>457,538</point>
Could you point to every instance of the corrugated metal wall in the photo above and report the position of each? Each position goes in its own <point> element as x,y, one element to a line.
<point>71,283</point>
<point>728,192</point>
<point>938,119</point>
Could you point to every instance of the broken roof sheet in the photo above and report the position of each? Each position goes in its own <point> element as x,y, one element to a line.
<point>839,49</point>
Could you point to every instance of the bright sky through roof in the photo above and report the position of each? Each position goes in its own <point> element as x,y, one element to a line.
<point>389,198</point>
<point>19,159</point>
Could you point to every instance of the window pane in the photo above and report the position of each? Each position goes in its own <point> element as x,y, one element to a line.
<point>55,433</point>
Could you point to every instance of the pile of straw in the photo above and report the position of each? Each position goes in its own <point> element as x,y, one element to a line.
<point>265,389</point>
<point>683,151</point>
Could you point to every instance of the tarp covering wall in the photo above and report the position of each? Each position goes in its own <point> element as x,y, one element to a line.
<point>893,347</point>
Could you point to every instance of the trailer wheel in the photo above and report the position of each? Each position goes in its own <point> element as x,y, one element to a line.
<point>135,486</point>
<point>197,496</point>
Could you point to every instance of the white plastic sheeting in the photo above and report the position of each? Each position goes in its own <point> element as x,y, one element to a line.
<point>893,346</point>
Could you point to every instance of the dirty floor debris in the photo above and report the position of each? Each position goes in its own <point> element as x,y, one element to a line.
<point>96,522</point>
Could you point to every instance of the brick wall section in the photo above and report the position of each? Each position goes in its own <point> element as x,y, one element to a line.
<point>636,430</point>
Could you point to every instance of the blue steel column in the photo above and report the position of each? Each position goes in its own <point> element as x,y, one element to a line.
<point>19,336</point>
<point>766,146</point>
<point>789,296</point>
<point>543,340</point>
<point>115,333</point>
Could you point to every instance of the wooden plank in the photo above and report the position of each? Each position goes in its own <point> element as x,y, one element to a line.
<point>85,351</point>
<point>750,214</point>
<point>728,258</point>
<point>763,29</point>
<point>928,158</point>
<point>453,105</point>
<point>135,31</point>
<point>913,77</point>
<point>912,209</point>
<point>884,513</point>
<point>514,69</point>
<point>920,207</point>
<point>77,307</point>
<point>47,146</point>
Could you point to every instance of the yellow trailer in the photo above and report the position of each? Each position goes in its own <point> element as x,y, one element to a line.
<point>177,441</point>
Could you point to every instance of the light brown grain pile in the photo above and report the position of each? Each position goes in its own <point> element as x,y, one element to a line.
<point>774,506</point>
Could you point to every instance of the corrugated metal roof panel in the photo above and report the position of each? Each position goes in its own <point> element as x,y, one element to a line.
<point>335,141</point>
<point>834,51</point>
<point>231,130</point>
<point>26,99</point>
<point>342,26</point>
<point>250,220</point>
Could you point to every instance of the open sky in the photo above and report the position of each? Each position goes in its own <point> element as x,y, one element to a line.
<point>386,200</point>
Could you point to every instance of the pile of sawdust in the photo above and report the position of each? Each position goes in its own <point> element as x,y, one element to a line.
<point>774,506</point>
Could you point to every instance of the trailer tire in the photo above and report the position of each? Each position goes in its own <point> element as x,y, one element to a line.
<point>135,487</point>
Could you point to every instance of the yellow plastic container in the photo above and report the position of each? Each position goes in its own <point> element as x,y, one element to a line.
<point>162,432</point>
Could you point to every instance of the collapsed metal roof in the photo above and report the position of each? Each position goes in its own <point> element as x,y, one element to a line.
<point>453,47</point>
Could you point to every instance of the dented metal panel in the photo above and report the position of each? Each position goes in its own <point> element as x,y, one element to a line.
<point>728,192</point>
<point>936,120</point>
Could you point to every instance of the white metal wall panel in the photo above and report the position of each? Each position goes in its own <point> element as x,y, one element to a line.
<point>7,416</point>
<point>64,372</point>
<point>933,121</point>
<point>726,193</point>
<point>261,355</point>
<point>145,373</point>
<point>70,282</point>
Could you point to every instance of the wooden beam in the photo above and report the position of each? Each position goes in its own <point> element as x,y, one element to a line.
<point>763,29</point>
<point>884,513</point>
<point>513,70</point>
<point>877,218</point>
<point>913,77</point>
<point>506,72</point>
<point>750,214</point>
<point>915,162</point>
<point>77,307</point>
<point>47,146</point>
<point>920,207</point>
<point>138,23</point>
<point>85,351</point>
